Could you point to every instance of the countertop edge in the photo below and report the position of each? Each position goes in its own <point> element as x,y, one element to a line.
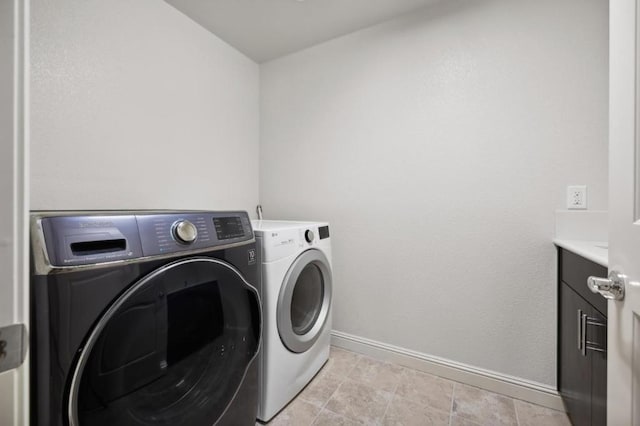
<point>586,249</point>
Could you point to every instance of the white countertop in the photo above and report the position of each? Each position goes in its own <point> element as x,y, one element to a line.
<point>596,251</point>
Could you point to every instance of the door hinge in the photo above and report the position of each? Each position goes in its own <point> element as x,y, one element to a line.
<point>13,346</point>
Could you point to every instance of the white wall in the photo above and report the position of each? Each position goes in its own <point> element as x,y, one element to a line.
<point>136,106</point>
<point>439,146</point>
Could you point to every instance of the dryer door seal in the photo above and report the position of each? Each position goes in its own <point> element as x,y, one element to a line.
<point>174,349</point>
<point>304,301</point>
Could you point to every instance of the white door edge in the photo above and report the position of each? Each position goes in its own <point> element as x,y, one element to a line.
<point>15,383</point>
<point>624,228</point>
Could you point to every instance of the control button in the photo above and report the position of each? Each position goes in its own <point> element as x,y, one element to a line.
<point>308,235</point>
<point>185,231</point>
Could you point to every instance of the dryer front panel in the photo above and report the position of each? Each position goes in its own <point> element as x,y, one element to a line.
<point>173,349</point>
<point>304,301</point>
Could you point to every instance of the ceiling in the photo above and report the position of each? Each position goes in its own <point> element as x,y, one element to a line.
<point>267,29</point>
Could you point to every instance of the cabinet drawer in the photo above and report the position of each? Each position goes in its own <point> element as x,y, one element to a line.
<point>574,271</point>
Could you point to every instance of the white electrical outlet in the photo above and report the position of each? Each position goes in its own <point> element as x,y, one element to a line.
<point>577,197</point>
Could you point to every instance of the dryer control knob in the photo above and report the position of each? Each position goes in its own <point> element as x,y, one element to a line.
<point>308,235</point>
<point>185,231</point>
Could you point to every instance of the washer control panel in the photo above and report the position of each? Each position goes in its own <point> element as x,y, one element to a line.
<point>89,239</point>
<point>171,233</point>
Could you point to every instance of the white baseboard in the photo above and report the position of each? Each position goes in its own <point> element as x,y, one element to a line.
<point>515,387</point>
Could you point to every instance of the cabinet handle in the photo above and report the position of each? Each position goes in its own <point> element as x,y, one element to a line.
<point>580,330</point>
<point>584,345</point>
<point>593,346</point>
<point>596,349</point>
<point>583,333</point>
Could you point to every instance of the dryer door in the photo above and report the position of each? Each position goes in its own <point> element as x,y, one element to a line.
<point>304,301</point>
<point>173,349</point>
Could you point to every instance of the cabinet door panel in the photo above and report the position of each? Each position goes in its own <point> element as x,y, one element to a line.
<point>598,335</point>
<point>574,271</point>
<point>574,369</point>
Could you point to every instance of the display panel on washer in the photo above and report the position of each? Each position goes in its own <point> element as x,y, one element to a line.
<point>228,227</point>
<point>173,349</point>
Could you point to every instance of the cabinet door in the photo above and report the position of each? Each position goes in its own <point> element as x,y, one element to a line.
<point>597,336</point>
<point>574,369</point>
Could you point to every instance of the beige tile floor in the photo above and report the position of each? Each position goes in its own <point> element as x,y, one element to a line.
<point>352,389</point>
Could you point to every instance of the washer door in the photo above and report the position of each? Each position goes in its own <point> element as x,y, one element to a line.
<point>173,349</point>
<point>304,301</point>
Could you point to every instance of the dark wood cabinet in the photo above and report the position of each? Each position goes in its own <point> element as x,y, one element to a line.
<point>582,340</point>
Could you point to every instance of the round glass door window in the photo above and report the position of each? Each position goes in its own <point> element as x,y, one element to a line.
<point>304,301</point>
<point>172,350</point>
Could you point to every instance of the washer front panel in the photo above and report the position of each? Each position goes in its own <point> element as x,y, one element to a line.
<point>173,349</point>
<point>304,300</point>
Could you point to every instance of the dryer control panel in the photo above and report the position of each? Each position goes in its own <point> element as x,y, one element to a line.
<point>73,240</point>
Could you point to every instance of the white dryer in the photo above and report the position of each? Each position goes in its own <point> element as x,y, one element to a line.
<point>296,288</point>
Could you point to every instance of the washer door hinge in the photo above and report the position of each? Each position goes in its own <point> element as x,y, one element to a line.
<point>13,346</point>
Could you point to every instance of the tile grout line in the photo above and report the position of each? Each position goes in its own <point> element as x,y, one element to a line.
<point>344,378</point>
<point>453,395</point>
<point>395,389</point>
<point>393,395</point>
<point>515,409</point>
<point>327,402</point>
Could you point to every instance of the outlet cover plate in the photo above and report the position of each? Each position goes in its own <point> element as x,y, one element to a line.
<point>577,197</point>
